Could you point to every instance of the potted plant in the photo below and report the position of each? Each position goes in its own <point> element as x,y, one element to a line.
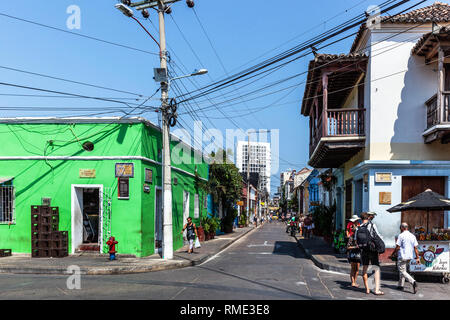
<point>206,228</point>
<point>328,180</point>
<point>213,225</point>
<point>243,220</point>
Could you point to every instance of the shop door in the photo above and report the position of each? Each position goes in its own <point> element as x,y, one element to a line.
<point>158,221</point>
<point>412,186</point>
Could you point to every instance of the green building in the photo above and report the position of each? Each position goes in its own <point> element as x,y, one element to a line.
<point>105,176</point>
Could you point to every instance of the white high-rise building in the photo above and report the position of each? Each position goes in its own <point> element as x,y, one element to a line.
<point>259,160</point>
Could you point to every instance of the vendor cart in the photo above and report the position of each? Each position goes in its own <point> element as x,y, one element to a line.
<point>434,259</point>
<point>433,244</point>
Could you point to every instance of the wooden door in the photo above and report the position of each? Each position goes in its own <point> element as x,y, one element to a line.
<point>412,186</point>
<point>348,199</point>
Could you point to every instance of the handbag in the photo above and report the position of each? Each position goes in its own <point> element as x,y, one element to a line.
<point>354,255</point>
<point>197,243</point>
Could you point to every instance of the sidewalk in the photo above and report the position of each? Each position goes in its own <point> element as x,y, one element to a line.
<point>324,257</point>
<point>96,264</point>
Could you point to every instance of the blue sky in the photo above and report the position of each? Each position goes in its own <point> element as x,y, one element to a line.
<point>243,33</point>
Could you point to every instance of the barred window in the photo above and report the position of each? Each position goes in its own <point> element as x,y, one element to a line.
<point>6,204</point>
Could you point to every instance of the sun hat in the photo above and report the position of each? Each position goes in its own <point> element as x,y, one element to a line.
<point>354,218</point>
<point>371,213</point>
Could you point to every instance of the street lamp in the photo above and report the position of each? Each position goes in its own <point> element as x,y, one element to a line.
<point>124,9</point>
<point>194,73</point>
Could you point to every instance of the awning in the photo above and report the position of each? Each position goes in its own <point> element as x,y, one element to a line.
<point>5,180</point>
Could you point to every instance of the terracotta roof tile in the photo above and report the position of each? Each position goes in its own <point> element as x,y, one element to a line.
<point>438,12</point>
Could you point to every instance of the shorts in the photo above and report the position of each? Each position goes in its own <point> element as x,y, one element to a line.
<point>369,257</point>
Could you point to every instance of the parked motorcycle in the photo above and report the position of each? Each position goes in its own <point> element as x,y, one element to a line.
<point>339,242</point>
<point>293,228</point>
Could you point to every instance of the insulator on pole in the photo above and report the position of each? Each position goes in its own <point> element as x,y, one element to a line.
<point>145,13</point>
<point>190,3</point>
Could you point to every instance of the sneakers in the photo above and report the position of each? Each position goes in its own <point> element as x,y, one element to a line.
<point>415,287</point>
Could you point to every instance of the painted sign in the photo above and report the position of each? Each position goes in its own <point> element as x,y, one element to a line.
<point>148,176</point>
<point>385,197</point>
<point>383,177</point>
<point>434,257</point>
<point>87,173</point>
<point>240,203</point>
<point>124,170</point>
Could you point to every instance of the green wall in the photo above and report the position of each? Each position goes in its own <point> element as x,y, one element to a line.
<point>132,220</point>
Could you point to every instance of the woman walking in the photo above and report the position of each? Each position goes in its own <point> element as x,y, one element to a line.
<point>353,252</point>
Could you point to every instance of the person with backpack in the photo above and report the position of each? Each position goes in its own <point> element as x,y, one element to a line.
<point>368,239</point>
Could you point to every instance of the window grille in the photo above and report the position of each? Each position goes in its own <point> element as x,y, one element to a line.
<point>7,204</point>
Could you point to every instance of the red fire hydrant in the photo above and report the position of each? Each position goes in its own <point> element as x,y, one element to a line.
<point>112,248</point>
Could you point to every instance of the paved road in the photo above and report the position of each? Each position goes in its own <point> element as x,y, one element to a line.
<point>264,265</point>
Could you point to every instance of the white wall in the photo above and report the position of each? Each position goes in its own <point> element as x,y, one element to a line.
<point>397,97</point>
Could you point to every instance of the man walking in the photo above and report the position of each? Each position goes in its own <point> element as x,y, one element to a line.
<point>406,247</point>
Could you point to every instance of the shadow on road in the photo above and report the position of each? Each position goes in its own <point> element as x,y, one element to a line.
<point>286,248</point>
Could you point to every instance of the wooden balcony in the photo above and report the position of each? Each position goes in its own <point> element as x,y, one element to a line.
<point>338,136</point>
<point>438,118</point>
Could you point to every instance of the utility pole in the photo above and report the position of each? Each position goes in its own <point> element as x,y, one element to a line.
<point>168,111</point>
<point>167,174</point>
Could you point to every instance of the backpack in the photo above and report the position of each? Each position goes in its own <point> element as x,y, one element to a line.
<point>369,240</point>
<point>363,236</point>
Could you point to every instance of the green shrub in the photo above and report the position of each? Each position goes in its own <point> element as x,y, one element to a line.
<point>323,219</point>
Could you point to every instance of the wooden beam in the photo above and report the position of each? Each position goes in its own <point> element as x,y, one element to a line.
<point>441,79</point>
<point>325,104</point>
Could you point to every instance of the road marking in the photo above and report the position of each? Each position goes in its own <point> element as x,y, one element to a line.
<point>352,298</point>
<point>259,245</point>
<point>300,283</point>
<point>259,252</point>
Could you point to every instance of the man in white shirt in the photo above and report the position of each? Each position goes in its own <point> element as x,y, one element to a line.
<point>406,246</point>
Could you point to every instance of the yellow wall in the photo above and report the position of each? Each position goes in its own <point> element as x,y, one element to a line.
<point>359,157</point>
<point>410,151</point>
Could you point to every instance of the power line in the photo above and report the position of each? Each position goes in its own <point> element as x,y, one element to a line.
<point>70,81</point>
<point>302,47</point>
<point>78,34</point>
<point>66,93</point>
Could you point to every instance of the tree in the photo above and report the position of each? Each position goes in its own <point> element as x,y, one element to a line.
<point>224,184</point>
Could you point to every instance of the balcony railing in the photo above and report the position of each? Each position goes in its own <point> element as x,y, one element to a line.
<point>434,112</point>
<point>339,123</point>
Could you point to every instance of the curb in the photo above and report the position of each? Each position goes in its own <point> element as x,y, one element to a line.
<point>115,270</point>
<point>385,275</point>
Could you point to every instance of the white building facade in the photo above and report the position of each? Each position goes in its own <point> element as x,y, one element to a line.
<point>382,122</point>
<point>260,160</point>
